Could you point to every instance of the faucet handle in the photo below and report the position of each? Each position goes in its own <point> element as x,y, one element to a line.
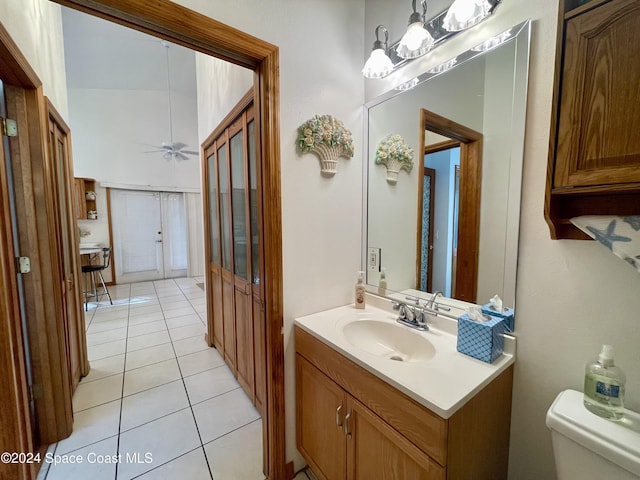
<point>396,305</point>
<point>416,300</point>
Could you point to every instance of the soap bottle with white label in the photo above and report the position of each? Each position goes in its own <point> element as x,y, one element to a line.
<point>359,293</point>
<point>604,386</point>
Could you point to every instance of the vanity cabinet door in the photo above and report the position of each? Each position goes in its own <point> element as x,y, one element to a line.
<point>320,408</point>
<point>375,450</point>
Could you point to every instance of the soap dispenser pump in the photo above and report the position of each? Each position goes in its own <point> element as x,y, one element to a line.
<point>604,386</point>
<point>359,297</point>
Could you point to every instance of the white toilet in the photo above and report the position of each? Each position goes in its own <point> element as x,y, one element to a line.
<point>587,447</point>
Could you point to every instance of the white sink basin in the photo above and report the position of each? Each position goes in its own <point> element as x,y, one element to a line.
<point>90,244</point>
<point>389,340</point>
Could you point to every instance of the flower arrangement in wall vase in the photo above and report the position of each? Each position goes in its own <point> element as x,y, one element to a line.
<point>396,155</point>
<point>328,138</point>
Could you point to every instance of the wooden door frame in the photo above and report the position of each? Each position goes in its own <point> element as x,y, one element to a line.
<point>470,192</point>
<point>180,25</point>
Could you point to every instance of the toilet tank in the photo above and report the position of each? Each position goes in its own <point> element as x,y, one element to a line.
<point>588,447</point>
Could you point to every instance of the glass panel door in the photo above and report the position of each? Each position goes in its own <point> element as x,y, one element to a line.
<point>239,206</point>
<point>225,212</point>
<point>253,199</point>
<point>214,228</point>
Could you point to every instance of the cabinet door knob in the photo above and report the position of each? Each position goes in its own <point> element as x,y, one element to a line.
<point>338,419</point>
<point>347,418</point>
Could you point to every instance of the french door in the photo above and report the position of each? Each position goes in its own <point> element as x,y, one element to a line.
<point>149,235</point>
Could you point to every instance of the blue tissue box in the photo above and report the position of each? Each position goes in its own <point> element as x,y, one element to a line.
<point>507,314</point>
<point>481,340</point>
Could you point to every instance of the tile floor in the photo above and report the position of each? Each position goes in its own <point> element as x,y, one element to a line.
<point>158,403</point>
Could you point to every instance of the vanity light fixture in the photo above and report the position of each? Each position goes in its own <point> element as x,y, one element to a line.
<point>417,40</point>
<point>408,85</point>
<point>463,14</point>
<point>443,67</point>
<point>379,64</point>
<point>493,42</point>
<point>421,36</point>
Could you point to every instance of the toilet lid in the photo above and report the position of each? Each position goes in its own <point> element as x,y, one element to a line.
<point>619,442</point>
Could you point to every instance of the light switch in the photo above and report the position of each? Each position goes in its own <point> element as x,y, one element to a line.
<point>373,259</point>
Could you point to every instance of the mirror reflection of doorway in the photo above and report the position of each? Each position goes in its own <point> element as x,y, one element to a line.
<point>440,200</point>
<point>454,152</point>
<point>149,235</point>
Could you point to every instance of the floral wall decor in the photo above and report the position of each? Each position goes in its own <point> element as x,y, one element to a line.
<point>396,155</point>
<point>328,138</point>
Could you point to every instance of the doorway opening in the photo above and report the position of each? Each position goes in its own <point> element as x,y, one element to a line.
<point>449,211</point>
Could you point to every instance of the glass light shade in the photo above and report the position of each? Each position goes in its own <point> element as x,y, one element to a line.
<point>415,42</point>
<point>378,65</point>
<point>465,13</point>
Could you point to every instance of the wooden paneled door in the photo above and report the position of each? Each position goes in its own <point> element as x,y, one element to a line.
<point>68,245</point>
<point>234,204</point>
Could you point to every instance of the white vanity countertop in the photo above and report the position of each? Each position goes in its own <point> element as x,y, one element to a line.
<point>443,383</point>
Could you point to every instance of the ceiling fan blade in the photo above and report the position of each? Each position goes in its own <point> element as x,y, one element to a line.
<point>178,145</point>
<point>180,156</point>
<point>189,152</point>
<point>154,151</point>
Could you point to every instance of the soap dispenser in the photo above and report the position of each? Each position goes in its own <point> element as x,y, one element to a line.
<point>359,298</point>
<point>604,386</point>
<point>382,283</point>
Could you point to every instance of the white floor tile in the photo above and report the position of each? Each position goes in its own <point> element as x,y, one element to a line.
<point>183,320</point>
<point>101,391</point>
<point>104,368</point>
<point>192,466</point>
<point>104,350</point>
<point>152,404</point>
<point>200,361</point>
<point>172,299</point>
<point>238,412</point>
<point>144,308</point>
<point>186,331</point>
<point>211,383</point>
<point>190,345</point>
<point>106,336</point>
<point>237,454</point>
<point>179,312</point>
<point>149,356</point>
<point>150,376</point>
<point>98,326</point>
<point>144,328</point>
<point>148,340</point>
<point>167,307</point>
<point>89,466</point>
<point>91,426</point>
<point>164,439</point>
<point>147,317</point>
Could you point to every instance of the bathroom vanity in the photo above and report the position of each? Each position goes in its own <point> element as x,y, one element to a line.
<point>378,400</point>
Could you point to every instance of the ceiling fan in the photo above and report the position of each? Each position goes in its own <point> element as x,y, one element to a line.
<point>171,149</point>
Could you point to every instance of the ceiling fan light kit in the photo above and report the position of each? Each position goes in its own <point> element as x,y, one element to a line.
<point>171,149</point>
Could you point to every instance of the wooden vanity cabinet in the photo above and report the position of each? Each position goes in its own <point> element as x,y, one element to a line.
<point>594,156</point>
<point>350,424</point>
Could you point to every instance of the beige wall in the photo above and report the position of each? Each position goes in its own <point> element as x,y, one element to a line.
<point>36,27</point>
<point>571,296</point>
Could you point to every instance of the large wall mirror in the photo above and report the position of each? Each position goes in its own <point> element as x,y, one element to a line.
<point>415,228</point>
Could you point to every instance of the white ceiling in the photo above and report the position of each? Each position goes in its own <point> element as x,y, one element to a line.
<point>104,55</point>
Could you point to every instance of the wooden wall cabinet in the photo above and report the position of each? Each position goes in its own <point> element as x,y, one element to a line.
<point>82,186</point>
<point>594,156</point>
<point>350,424</point>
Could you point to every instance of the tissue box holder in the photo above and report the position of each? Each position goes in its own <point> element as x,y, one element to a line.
<point>507,314</point>
<point>481,340</point>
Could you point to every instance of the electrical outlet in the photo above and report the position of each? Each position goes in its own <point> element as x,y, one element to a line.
<point>373,259</point>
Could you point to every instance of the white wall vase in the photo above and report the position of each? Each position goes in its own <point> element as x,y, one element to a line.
<point>328,138</point>
<point>395,155</point>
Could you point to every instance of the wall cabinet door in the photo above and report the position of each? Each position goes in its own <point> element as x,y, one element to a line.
<point>598,141</point>
<point>321,406</point>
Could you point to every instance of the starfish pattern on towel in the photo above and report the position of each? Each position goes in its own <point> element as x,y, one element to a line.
<point>608,236</point>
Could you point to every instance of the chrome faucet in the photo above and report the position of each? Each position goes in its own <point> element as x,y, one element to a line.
<point>431,303</point>
<point>413,316</point>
